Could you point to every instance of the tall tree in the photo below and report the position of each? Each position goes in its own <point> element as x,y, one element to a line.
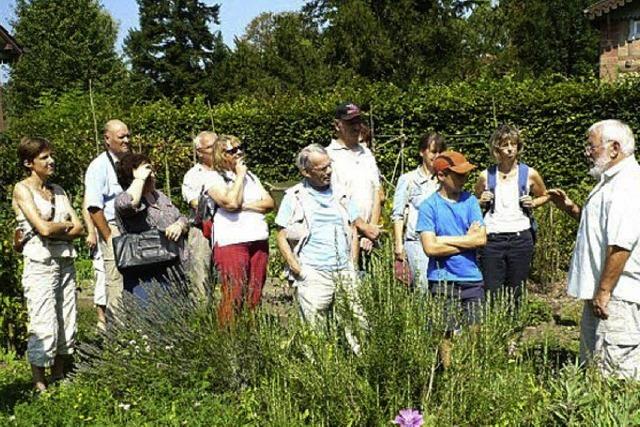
<point>175,48</point>
<point>66,44</point>
<point>551,36</point>
<point>278,52</point>
<point>398,40</point>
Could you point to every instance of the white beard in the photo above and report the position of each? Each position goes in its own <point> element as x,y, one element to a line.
<point>599,166</point>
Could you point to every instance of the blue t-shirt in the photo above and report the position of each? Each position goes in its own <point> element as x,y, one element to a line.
<point>446,218</point>
<point>327,248</point>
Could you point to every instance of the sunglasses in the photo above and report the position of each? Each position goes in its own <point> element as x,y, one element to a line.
<point>234,150</point>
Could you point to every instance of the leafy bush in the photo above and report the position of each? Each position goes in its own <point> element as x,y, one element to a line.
<point>553,114</point>
<point>172,364</point>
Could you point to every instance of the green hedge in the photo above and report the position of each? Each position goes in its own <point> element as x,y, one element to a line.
<point>553,114</point>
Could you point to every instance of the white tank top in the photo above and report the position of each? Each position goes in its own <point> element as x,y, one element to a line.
<point>40,248</point>
<point>507,216</point>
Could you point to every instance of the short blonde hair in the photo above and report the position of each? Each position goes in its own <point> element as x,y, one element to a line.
<point>504,133</point>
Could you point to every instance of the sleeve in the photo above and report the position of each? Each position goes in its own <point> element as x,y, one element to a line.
<point>172,210</point>
<point>190,191</point>
<point>124,205</point>
<point>375,172</point>
<point>285,211</point>
<point>623,227</point>
<point>400,198</point>
<point>426,217</point>
<point>475,213</point>
<point>353,211</point>
<point>94,186</point>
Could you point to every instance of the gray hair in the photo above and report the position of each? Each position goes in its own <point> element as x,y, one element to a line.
<point>615,130</point>
<point>302,160</point>
<point>197,141</point>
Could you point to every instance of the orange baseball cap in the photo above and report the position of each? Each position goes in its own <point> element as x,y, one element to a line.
<point>454,161</point>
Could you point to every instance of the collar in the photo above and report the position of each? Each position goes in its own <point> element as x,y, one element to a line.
<point>335,145</point>
<point>113,157</point>
<point>612,171</point>
<point>422,176</point>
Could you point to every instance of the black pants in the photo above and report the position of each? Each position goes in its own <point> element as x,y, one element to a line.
<point>506,261</point>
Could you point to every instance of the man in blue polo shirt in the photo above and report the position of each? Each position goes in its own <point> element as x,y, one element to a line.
<point>451,229</point>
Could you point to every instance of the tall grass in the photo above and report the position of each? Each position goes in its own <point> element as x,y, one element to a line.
<point>173,365</point>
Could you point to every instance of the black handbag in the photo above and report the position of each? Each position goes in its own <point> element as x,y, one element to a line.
<point>151,249</point>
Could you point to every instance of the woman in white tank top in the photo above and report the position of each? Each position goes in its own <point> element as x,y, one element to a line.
<point>49,225</point>
<point>505,193</point>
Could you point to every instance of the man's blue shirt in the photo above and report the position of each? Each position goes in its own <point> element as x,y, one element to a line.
<point>447,218</point>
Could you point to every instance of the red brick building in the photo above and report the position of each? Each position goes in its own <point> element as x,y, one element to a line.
<point>619,25</point>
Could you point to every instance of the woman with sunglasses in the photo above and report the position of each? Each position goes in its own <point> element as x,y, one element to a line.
<point>47,226</point>
<point>240,232</point>
<point>142,207</point>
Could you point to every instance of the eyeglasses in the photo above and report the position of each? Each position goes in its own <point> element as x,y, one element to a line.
<point>590,149</point>
<point>234,150</point>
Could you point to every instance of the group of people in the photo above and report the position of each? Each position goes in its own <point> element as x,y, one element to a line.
<point>456,245</point>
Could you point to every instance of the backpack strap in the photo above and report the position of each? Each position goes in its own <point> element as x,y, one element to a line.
<point>523,179</point>
<point>492,172</point>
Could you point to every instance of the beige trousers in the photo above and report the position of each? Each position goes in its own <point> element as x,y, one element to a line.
<point>113,282</point>
<point>50,291</point>
<point>199,263</point>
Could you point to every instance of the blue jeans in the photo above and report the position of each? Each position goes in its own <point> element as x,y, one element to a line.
<point>506,261</point>
<point>418,263</point>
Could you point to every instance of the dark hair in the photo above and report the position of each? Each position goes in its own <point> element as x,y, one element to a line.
<point>126,165</point>
<point>432,138</point>
<point>30,147</point>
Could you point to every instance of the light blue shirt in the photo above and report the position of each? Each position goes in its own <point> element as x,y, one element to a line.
<point>327,248</point>
<point>101,186</point>
<point>412,189</point>
<point>447,218</point>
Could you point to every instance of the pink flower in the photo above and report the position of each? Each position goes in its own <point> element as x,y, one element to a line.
<point>409,418</point>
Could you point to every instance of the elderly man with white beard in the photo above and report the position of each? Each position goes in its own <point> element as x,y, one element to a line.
<point>605,267</point>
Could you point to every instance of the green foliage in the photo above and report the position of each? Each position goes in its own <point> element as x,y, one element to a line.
<point>552,113</point>
<point>174,47</point>
<point>66,44</point>
<point>551,36</point>
<point>173,365</point>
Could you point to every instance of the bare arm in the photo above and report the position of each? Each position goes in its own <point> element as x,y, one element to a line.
<point>376,209</point>
<point>483,195</point>
<point>398,238</point>
<point>78,229</point>
<point>92,236</point>
<point>475,238</point>
<point>287,253</point>
<point>230,198</point>
<point>24,201</point>
<point>613,266</point>
<point>563,202</point>
<point>98,219</point>
<point>539,190</point>
<point>434,247</point>
<point>264,205</point>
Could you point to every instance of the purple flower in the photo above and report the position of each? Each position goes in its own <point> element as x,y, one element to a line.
<point>409,418</point>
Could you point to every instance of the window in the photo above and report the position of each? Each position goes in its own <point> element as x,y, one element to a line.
<point>634,29</point>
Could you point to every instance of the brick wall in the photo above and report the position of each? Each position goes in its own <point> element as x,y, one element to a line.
<point>617,55</point>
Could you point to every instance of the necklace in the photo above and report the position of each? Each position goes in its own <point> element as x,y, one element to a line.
<point>508,174</point>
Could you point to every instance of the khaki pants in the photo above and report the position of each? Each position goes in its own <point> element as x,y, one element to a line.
<point>50,290</point>
<point>199,263</point>
<point>612,344</point>
<point>113,282</point>
<point>99,291</point>
<point>316,294</point>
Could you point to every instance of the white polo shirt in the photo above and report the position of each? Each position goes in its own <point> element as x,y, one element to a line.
<point>355,171</point>
<point>196,179</point>
<point>610,217</point>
